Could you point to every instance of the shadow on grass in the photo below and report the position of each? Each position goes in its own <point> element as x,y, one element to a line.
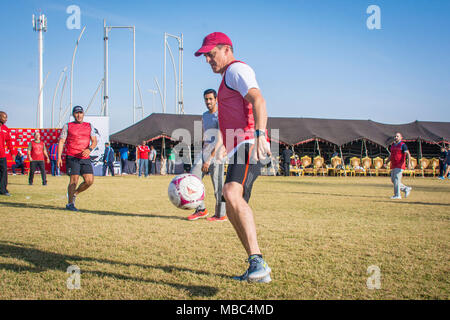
<point>416,202</point>
<point>43,260</point>
<point>100,212</point>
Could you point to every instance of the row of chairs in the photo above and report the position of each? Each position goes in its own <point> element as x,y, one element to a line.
<point>359,167</point>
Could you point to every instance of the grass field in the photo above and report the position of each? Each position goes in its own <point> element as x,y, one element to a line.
<point>318,234</point>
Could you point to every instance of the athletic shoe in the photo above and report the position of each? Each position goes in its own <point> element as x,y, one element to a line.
<point>441,178</point>
<point>244,277</point>
<point>6,194</point>
<point>396,198</point>
<point>71,207</point>
<point>199,213</point>
<point>214,218</point>
<point>408,191</point>
<point>258,269</point>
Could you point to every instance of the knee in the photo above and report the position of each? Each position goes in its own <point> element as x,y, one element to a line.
<point>89,182</point>
<point>230,192</point>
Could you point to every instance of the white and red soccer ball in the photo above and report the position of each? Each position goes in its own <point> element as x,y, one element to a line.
<point>186,191</point>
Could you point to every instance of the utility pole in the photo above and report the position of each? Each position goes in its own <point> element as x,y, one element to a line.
<point>40,25</point>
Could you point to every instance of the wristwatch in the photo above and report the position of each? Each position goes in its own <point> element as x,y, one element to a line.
<point>90,149</point>
<point>259,133</point>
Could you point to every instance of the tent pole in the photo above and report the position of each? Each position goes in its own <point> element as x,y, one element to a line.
<point>365,146</point>
<point>420,148</point>
<point>318,147</point>
<point>343,163</point>
<point>362,146</point>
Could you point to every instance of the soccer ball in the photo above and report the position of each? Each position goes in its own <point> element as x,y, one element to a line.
<point>186,191</point>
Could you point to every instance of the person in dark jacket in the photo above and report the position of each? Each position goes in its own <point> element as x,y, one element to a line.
<point>19,163</point>
<point>286,155</point>
<point>108,160</point>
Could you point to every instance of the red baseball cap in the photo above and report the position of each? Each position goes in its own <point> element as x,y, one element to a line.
<point>212,40</point>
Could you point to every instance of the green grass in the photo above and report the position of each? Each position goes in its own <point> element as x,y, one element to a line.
<point>318,234</point>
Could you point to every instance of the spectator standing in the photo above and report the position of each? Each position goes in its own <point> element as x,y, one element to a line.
<point>5,138</point>
<point>108,159</point>
<point>53,152</point>
<point>152,159</point>
<point>443,162</point>
<point>142,152</point>
<point>170,160</point>
<point>36,154</point>
<point>123,158</point>
<point>286,155</point>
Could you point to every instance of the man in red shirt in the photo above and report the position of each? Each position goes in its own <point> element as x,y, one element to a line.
<point>142,152</point>
<point>399,151</point>
<point>80,140</point>
<point>36,153</point>
<point>243,135</point>
<point>5,138</point>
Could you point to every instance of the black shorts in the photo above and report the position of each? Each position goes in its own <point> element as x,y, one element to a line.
<point>243,170</point>
<point>79,167</point>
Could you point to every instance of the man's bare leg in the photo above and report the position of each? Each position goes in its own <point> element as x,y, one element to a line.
<point>88,181</point>
<point>241,217</point>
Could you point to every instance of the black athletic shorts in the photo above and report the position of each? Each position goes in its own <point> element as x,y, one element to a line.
<point>243,170</point>
<point>77,166</point>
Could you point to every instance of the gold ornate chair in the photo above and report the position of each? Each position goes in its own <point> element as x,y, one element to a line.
<point>367,165</point>
<point>319,165</point>
<point>306,162</point>
<point>427,167</point>
<point>422,165</point>
<point>335,161</point>
<point>432,167</point>
<point>413,170</point>
<point>355,163</point>
<point>378,166</point>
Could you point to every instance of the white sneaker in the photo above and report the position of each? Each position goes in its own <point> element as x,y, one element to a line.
<point>407,192</point>
<point>396,198</point>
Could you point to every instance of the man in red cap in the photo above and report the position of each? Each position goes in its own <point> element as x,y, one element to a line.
<point>240,104</point>
<point>5,138</point>
<point>80,140</point>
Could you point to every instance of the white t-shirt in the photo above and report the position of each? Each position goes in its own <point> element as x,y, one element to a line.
<point>241,77</point>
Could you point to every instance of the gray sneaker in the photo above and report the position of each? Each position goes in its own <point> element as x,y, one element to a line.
<point>258,271</point>
<point>244,277</point>
<point>408,191</point>
<point>71,207</point>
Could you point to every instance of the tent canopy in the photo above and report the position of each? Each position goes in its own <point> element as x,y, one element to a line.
<point>293,131</point>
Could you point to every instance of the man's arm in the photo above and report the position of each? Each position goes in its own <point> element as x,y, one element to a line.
<point>409,159</point>
<point>46,154</point>
<point>60,150</point>
<point>255,97</point>
<point>29,151</point>
<point>87,151</point>
<point>9,145</point>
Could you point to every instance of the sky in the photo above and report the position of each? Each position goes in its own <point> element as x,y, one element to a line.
<point>312,58</point>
